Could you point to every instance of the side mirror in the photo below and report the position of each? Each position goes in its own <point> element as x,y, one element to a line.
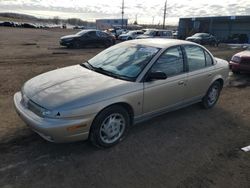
<point>158,75</point>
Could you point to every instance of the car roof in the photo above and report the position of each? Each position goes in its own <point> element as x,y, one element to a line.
<point>202,33</point>
<point>159,43</point>
<point>88,30</point>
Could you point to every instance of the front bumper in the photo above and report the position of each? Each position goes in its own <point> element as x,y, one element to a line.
<point>234,66</point>
<point>54,130</point>
<point>65,43</point>
<point>238,67</point>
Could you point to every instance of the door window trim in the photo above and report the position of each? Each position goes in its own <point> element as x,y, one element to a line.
<point>184,62</point>
<point>204,50</point>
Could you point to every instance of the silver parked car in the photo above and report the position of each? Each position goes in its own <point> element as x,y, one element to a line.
<point>156,33</point>
<point>124,84</point>
<point>130,35</point>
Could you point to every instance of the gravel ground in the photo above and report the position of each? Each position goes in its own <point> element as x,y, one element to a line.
<point>191,147</point>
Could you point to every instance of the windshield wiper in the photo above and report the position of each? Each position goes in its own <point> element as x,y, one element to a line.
<point>87,65</point>
<point>114,75</point>
<point>103,71</point>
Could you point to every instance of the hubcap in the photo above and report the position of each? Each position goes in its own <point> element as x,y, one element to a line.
<point>213,95</point>
<point>112,128</point>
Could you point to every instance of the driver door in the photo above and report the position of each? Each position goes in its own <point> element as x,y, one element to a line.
<point>159,95</point>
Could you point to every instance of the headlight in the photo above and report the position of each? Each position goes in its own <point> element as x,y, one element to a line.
<point>46,112</point>
<point>67,40</point>
<point>38,110</point>
<point>236,59</point>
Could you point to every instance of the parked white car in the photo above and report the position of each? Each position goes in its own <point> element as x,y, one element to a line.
<point>130,35</point>
<point>156,33</point>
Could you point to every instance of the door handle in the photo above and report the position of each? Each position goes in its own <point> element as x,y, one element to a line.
<point>181,82</point>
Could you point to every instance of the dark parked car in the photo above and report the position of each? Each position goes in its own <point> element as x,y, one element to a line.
<point>28,25</point>
<point>87,38</point>
<point>237,39</point>
<point>156,33</point>
<point>240,62</point>
<point>7,24</point>
<point>203,38</point>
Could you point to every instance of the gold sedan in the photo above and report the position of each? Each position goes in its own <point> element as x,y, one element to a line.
<point>123,85</point>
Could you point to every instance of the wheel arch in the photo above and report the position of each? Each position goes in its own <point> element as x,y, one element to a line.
<point>219,79</point>
<point>124,105</point>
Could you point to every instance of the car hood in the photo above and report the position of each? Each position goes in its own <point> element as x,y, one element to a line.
<point>245,53</point>
<point>69,37</point>
<point>124,35</point>
<point>73,87</point>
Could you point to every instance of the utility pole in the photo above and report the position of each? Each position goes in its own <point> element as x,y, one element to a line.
<point>164,16</point>
<point>122,12</point>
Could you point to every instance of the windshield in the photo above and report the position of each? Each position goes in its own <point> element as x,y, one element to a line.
<point>149,32</point>
<point>131,33</point>
<point>82,32</point>
<point>124,60</point>
<point>200,34</point>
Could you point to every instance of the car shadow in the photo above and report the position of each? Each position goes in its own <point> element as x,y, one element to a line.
<point>241,80</point>
<point>171,141</point>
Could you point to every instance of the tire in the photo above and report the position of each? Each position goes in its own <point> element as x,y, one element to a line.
<point>212,95</point>
<point>212,43</point>
<point>235,72</point>
<point>107,44</point>
<point>110,127</point>
<point>76,45</point>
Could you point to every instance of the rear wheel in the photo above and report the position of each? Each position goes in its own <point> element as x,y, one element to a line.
<point>108,44</point>
<point>212,95</point>
<point>110,126</point>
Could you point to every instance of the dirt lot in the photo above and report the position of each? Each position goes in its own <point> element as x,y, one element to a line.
<point>190,147</point>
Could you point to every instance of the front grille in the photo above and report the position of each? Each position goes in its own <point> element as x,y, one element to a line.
<point>245,61</point>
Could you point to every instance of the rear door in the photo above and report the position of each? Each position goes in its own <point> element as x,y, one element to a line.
<point>200,71</point>
<point>161,94</point>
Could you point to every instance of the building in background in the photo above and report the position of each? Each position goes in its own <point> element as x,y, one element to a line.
<point>103,24</point>
<point>232,29</point>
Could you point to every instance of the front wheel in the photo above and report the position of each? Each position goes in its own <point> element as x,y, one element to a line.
<point>110,126</point>
<point>236,72</point>
<point>212,95</point>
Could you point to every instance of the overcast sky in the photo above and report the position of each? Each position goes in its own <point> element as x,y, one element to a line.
<point>147,11</point>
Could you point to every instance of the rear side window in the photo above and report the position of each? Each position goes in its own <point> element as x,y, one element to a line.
<point>102,34</point>
<point>195,57</point>
<point>209,60</point>
<point>170,62</point>
<point>167,33</point>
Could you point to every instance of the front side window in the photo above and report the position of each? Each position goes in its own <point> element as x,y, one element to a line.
<point>195,57</point>
<point>170,62</point>
<point>124,60</point>
<point>92,33</point>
